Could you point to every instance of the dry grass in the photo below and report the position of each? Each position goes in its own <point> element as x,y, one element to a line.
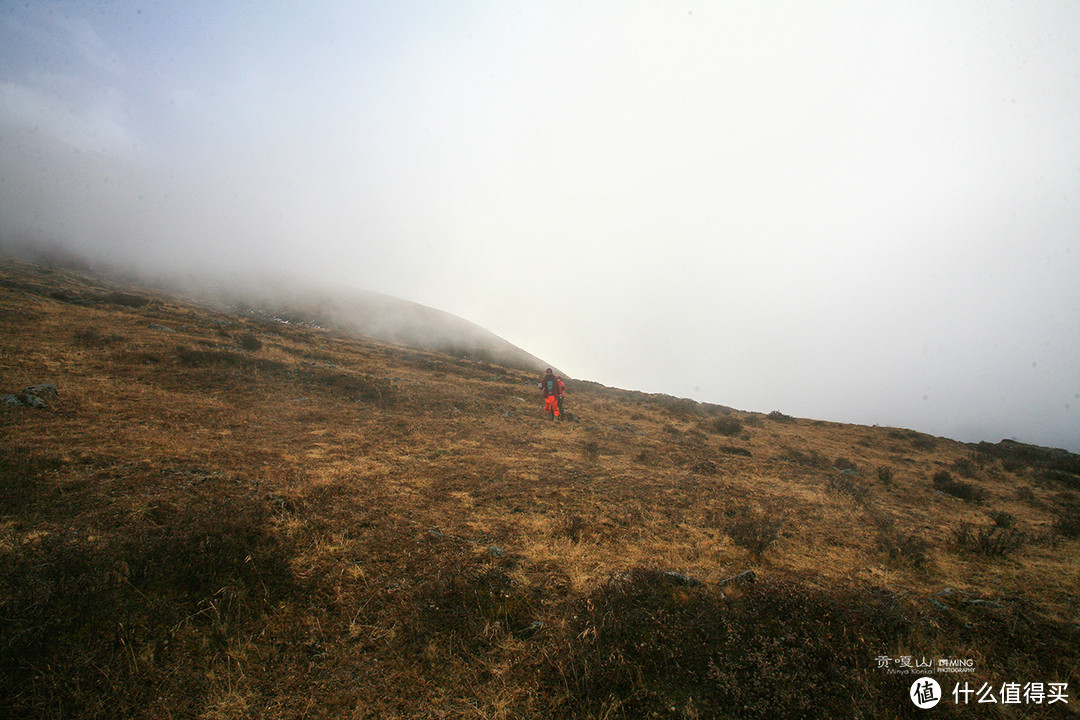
<point>241,518</point>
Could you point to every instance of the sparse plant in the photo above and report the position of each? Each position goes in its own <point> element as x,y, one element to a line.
<point>885,475</point>
<point>849,485</point>
<point>591,450</point>
<point>1002,519</point>
<point>777,416</point>
<point>991,540</point>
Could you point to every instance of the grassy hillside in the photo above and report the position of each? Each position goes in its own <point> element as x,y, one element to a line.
<point>226,516</point>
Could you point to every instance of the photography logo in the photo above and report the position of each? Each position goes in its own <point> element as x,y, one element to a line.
<point>925,693</point>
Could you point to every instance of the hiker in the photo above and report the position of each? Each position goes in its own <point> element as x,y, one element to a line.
<point>549,387</point>
<point>560,391</point>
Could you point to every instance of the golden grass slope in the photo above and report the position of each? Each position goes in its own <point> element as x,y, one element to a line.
<point>224,516</point>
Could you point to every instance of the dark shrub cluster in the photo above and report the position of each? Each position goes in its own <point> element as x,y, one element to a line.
<point>124,299</point>
<point>648,645</point>
<point>754,532</point>
<point>249,341</point>
<point>91,338</point>
<point>727,426</point>
<point>1067,523</point>
<point>225,358</point>
<point>946,483</point>
<point>812,459</point>
<point>965,467</point>
<point>82,602</point>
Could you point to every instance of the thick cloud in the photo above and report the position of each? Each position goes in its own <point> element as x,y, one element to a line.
<point>852,212</point>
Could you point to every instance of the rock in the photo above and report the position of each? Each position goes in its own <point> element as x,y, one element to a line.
<point>45,391</point>
<point>33,396</point>
<point>161,328</point>
<point>748,576</point>
<point>681,579</point>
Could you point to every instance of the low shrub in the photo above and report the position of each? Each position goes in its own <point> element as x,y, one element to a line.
<point>249,341</point>
<point>727,426</point>
<point>812,459</point>
<point>964,467</point>
<point>992,541</point>
<point>849,485</point>
<point>944,482</point>
<point>754,532</point>
<point>1002,519</point>
<point>91,338</point>
<point>904,548</point>
<point>1067,523</point>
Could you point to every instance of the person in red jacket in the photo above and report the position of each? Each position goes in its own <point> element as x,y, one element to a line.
<point>549,388</point>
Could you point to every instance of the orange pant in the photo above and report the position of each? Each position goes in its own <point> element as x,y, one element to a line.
<point>551,405</point>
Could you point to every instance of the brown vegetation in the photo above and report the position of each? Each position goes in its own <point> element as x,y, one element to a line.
<point>224,516</point>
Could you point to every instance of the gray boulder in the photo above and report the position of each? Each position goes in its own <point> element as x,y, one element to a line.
<point>33,396</point>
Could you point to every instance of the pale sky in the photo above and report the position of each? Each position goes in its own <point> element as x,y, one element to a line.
<point>851,211</point>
